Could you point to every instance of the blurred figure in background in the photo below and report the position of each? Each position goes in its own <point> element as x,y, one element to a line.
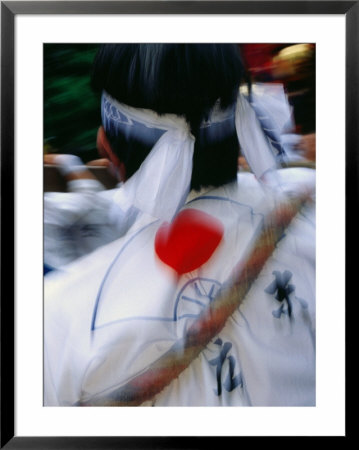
<point>292,66</point>
<point>77,207</point>
<point>295,66</point>
<point>208,298</point>
<point>83,218</point>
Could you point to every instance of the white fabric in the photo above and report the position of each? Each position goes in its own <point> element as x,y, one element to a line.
<point>252,140</point>
<point>112,313</point>
<point>273,101</point>
<point>161,185</point>
<point>85,185</point>
<point>67,164</point>
<point>130,115</point>
<point>255,146</point>
<point>78,222</point>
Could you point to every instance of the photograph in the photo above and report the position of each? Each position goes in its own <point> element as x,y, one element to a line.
<point>190,280</point>
<point>177,180</point>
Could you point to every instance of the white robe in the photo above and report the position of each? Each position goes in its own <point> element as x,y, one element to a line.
<point>79,221</point>
<point>110,314</point>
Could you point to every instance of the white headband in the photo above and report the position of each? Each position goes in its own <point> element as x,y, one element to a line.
<point>162,183</point>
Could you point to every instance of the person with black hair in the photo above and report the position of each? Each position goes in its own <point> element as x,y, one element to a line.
<point>208,298</point>
<point>77,224</point>
<point>145,77</point>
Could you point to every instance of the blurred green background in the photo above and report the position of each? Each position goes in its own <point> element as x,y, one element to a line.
<point>71,109</point>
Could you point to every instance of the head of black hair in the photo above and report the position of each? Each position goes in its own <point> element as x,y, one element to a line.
<point>182,79</point>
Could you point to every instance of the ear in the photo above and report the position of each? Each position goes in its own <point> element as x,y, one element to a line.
<point>105,151</point>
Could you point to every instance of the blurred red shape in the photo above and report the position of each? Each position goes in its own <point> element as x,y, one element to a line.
<point>189,241</point>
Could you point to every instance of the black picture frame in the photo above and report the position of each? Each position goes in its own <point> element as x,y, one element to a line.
<point>9,9</point>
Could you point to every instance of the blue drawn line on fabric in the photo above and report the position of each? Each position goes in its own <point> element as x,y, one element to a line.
<point>194,282</point>
<point>210,294</point>
<point>269,129</point>
<point>227,199</point>
<point>305,216</point>
<point>187,316</point>
<point>192,300</point>
<point>132,318</point>
<point>147,319</point>
<point>200,294</point>
<point>282,236</point>
<point>98,297</point>
<point>174,318</point>
<point>198,291</point>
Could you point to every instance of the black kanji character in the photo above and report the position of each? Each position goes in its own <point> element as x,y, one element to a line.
<point>231,382</point>
<point>283,290</point>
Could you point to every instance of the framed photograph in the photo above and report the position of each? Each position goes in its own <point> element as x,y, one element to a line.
<point>35,36</point>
